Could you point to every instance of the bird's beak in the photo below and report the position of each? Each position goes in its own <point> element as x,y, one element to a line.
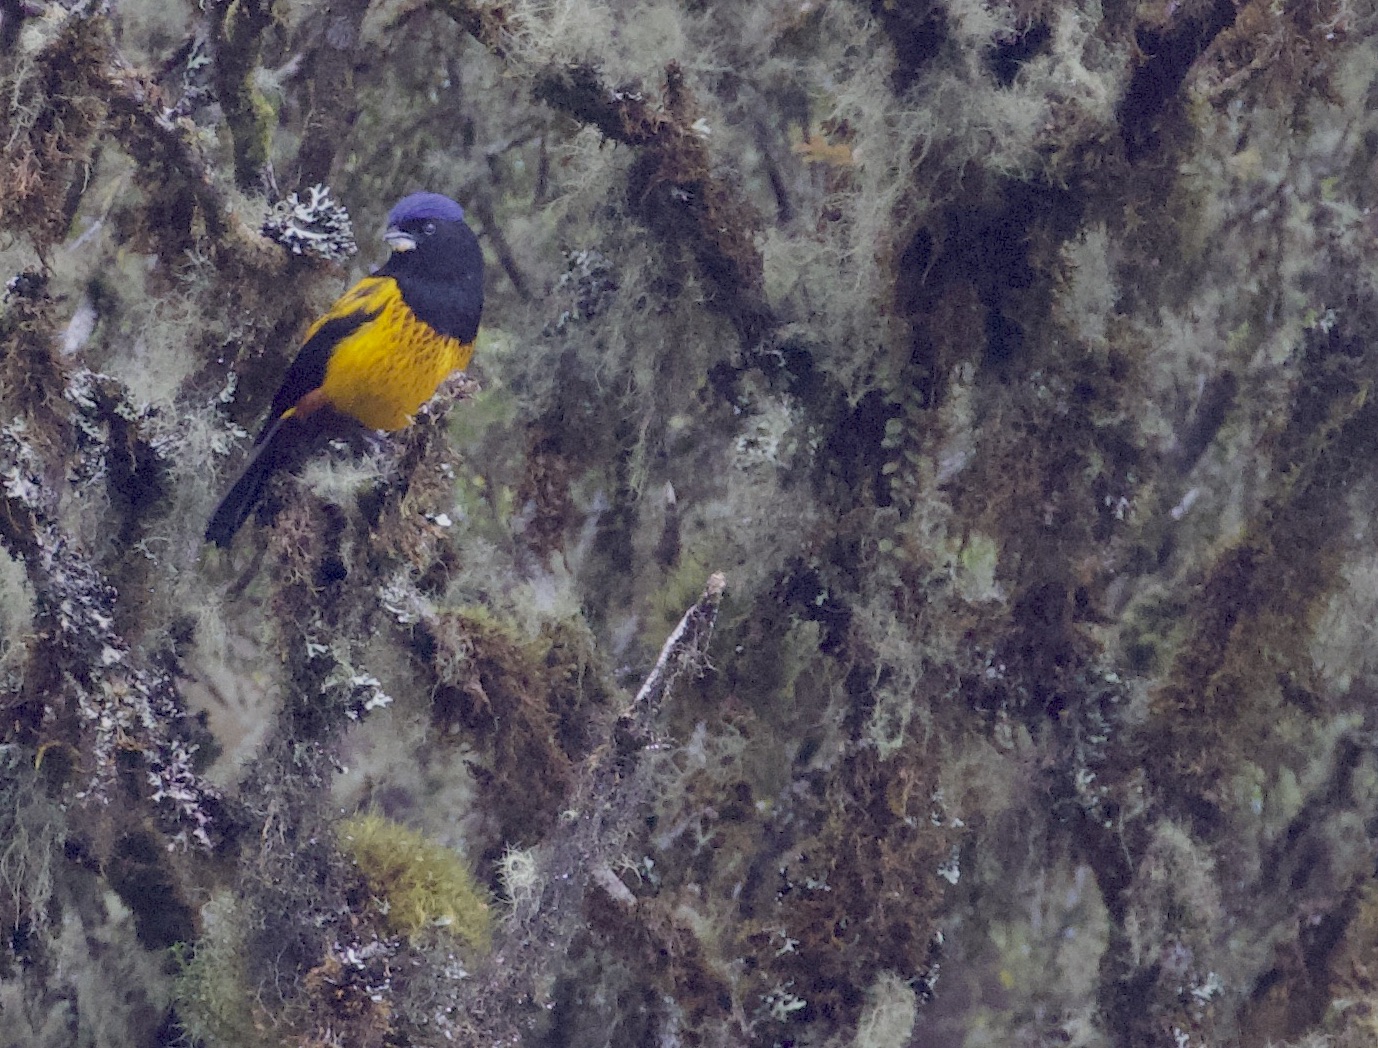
<point>398,240</point>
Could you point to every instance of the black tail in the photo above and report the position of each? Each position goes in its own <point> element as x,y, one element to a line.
<point>243,496</point>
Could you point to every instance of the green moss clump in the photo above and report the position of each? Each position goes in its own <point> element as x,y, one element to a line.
<point>529,705</point>
<point>422,883</point>
<point>212,994</point>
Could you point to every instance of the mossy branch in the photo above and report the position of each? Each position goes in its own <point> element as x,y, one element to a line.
<point>83,686</point>
<point>331,66</point>
<point>608,795</point>
<point>81,86</point>
<point>673,186</point>
<point>173,165</point>
<point>611,789</point>
<point>54,112</point>
<point>488,24</point>
<point>83,680</point>
<point>238,27</point>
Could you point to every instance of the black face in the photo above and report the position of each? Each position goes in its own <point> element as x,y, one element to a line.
<point>441,278</point>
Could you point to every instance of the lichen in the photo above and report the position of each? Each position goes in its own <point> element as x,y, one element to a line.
<point>315,225</point>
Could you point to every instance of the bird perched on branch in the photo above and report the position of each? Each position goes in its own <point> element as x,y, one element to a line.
<point>380,351</point>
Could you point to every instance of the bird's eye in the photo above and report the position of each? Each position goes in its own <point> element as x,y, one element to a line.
<point>429,228</point>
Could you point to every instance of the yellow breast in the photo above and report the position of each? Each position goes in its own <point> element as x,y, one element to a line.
<point>382,373</point>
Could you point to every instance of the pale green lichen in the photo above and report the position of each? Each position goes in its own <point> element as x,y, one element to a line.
<point>888,1017</point>
<point>212,992</point>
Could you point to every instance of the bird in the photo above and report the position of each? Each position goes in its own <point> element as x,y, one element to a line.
<point>378,353</point>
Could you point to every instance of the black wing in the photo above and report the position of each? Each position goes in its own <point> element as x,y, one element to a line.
<point>307,371</point>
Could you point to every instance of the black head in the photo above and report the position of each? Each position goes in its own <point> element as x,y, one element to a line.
<point>437,263</point>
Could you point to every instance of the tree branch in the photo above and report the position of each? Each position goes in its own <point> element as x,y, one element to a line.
<point>672,186</point>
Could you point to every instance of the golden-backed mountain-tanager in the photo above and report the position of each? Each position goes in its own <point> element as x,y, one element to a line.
<point>380,351</point>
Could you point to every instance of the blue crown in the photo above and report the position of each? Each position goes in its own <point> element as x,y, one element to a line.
<point>423,206</point>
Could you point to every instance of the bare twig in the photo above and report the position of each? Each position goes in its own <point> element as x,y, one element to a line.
<point>685,648</point>
<point>613,787</point>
